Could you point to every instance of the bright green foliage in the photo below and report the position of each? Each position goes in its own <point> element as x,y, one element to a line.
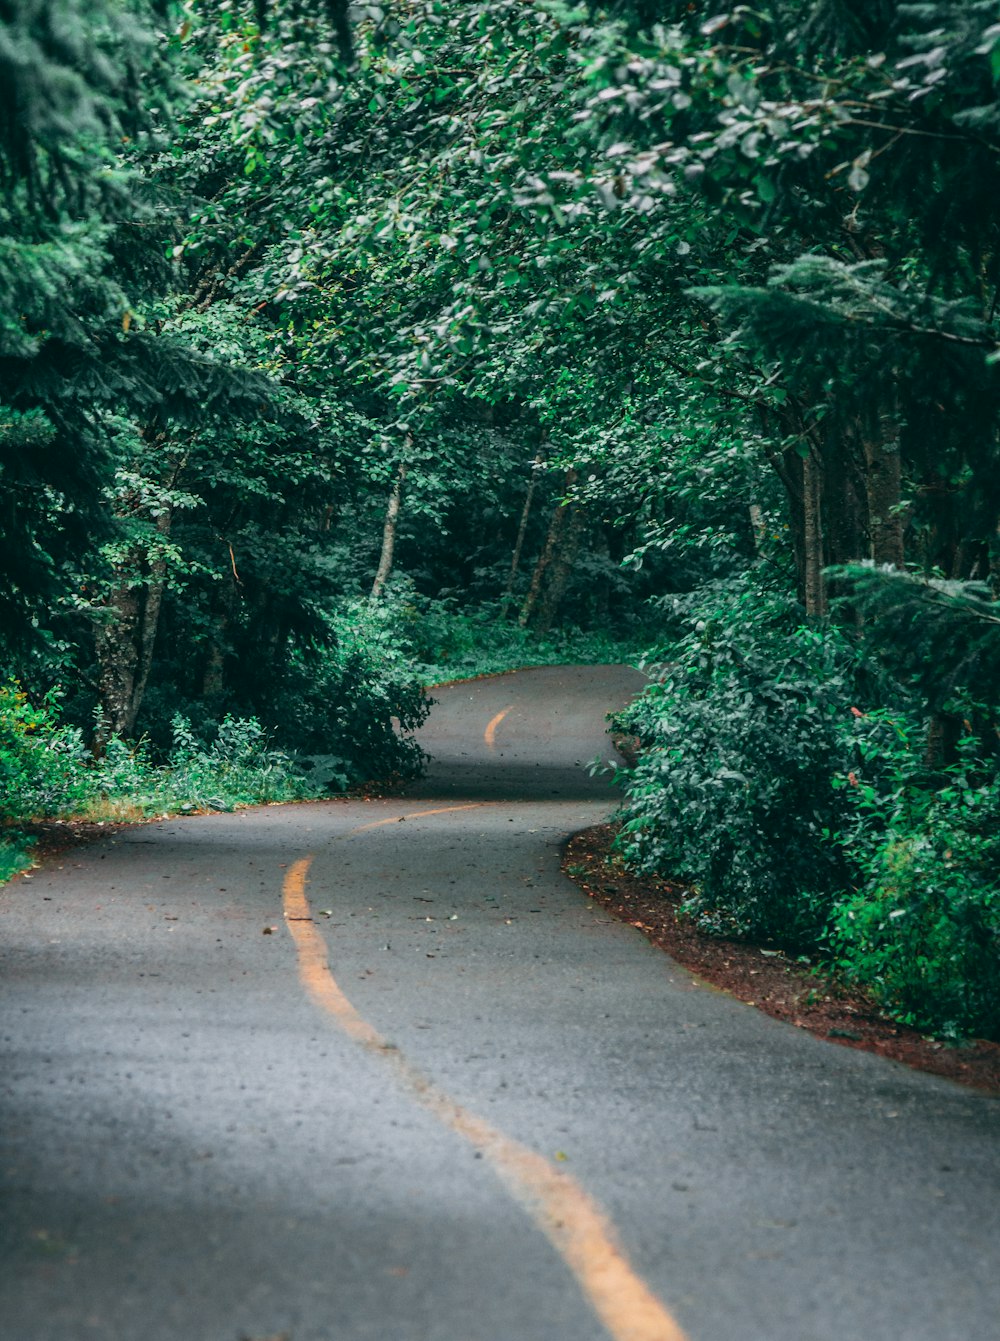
<point>42,762</point>
<point>239,767</point>
<point>46,770</point>
<point>921,927</point>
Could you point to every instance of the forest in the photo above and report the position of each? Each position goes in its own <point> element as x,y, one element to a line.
<point>346,348</point>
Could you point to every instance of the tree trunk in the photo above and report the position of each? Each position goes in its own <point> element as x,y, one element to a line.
<point>117,646</point>
<point>213,680</point>
<point>389,534</point>
<point>812,536</point>
<point>125,648</point>
<point>548,582</point>
<point>560,569</point>
<point>883,487</point>
<point>515,562</point>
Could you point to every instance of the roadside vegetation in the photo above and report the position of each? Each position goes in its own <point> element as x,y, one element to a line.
<point>346,349</point>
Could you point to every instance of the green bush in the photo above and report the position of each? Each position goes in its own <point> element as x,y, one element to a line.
<point>42,763</point>
<point>797,816</point>
<point>741,737</point>
<point>922,926</point>
<point>353,705</point>
<point>239,767</point>
<point>46,771</point>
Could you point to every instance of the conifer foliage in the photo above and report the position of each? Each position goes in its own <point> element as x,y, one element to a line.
<point>81,259</point>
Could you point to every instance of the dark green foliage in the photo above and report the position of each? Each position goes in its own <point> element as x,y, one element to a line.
<point>359,702</point>
<point>741,735</point>
<point>799,816</point>
<point>942,636</point>
<point>80,260</point>
<point>66,77</point>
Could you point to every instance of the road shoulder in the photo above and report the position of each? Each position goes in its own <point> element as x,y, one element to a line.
<point>765,978</point>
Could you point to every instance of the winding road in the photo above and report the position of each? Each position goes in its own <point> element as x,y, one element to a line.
<point>376,1071</point>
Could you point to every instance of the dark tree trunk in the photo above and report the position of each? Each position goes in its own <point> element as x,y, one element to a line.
<point>560,568</point>
<point>515,562</point>
<point>812,536</point>
<point>389,534</point>
<point>125,647</point>
<point>550,550</point>
<point>883,486</point>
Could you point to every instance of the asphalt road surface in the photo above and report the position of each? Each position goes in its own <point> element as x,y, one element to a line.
<point>376,1070</point>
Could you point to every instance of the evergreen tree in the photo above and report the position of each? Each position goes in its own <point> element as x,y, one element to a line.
<point>81,258</point>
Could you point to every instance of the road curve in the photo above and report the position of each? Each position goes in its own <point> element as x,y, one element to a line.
<point>343,1071</point>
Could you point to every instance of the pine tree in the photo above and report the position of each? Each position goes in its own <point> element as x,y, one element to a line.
<point>81,256</point>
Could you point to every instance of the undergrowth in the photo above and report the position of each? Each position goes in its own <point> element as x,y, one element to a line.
<point>446,641</point>
<point>788,781</point>
<point>48,772</point>
<point>347,715</point>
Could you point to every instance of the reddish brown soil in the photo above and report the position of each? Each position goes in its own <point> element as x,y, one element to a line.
<point>797,993</point>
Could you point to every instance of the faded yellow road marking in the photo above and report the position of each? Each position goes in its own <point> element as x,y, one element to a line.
<point>573,1223</point>
<point>490,734</point>
<point>415,814</point>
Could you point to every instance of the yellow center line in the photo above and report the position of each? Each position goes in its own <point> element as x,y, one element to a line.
<point>490,734</point>
<point>415,814</point>
<point>572,1222</point>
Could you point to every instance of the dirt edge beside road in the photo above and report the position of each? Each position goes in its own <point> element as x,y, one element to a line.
<point>767,979</point>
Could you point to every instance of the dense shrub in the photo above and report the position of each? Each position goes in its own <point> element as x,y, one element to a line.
<point>353,706</point>
<point>921,928</point>
<point>46,771</point>
<point>742,734</point>
<point>797,815</point>
<point>239,767</point>
<point>42,762</point>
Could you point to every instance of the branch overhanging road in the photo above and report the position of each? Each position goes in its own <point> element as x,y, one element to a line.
<point>444,1098</point>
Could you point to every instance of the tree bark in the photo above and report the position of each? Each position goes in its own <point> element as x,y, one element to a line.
<point>389,534</point>
<point>117,647</point>
<point>515,562</point>
<point>812,536</point>
<point>560,569</point>
<point>548,582</point>
<point>883,487</point>
<point>125,647</point>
